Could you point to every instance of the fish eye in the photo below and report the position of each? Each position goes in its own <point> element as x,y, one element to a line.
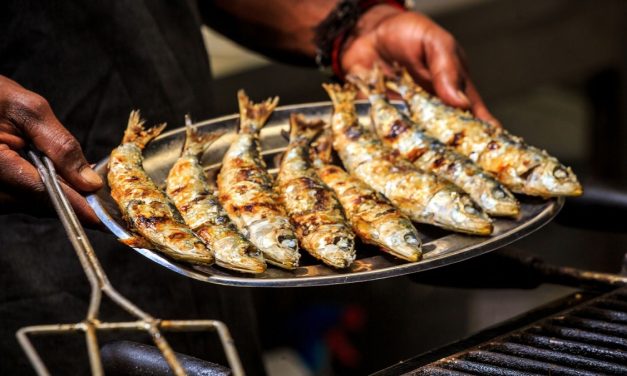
<point>342,242</point>
<point>470,209</point>
<point>498,193</point>
<point>560,173</point>
<point>410,238</point>
<point>287,241</point>
<point>253,251</point>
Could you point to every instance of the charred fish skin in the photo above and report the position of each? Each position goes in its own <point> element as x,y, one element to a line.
<point>421,196</point>
<point>246,189</point>
<point>147,210</point>
<point>373,218</point>
<point>187,187</point>
<point>314,209</point>
<point>520,167</point>
<point>400,133</point>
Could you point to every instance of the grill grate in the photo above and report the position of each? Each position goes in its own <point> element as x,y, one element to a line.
<point>589,339</point>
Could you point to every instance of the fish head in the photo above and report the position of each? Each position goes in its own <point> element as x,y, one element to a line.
<point>400,240</point>
<point>238,254</point>
<point>454,210</point>
<point>496,200</point>
<point>334,244</point>
<point>552,178</point>
<point>275,238</point>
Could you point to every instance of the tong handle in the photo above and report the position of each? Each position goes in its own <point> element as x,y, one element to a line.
<point>100,283</point>
<point>69,219</point>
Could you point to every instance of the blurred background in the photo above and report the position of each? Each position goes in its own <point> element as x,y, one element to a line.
<point>554,72</point>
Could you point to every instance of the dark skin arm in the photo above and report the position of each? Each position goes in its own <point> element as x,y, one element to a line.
<point>284,29</point>
<point>281,29</point>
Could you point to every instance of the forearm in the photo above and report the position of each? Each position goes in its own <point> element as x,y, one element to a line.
<point>281,29</point>
<point>383,33</point>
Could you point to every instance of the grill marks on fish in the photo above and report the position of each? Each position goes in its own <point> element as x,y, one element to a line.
<point>260,207</point>
<point>520,167</point>
<point>245,189</point>
<point>353,133</point>
<point>457,139</point>
<point>429,154</point>
<point>438,163</point>
<point>188,188</point>
<point>397,129</point>
<point>254,175</point>
<point>153,220</point>
<point>320,224</point>
<point>415,153</point>
<point>421,196</point>
<point>147,211</point>
<point>371,215</point>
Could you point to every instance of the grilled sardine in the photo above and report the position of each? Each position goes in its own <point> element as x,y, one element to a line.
<point>520,167</point>
<point>246,189</point>
<point>147,211</point>
<point>187,187</point>
<point>399,132</point>
<point>316,213</point>
<point>371,215</point>
<point>421,196</point>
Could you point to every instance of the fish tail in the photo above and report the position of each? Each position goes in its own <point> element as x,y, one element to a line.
<point>321,148</point>
<point>196,143</point>
<point>361,83</point>
<point>341,94</point>
<point>253,116</point>
<point>372,83</point>
<point>302,128</point>
<point>395,81</point>
<point>402,80</point>
<point>137,134</point>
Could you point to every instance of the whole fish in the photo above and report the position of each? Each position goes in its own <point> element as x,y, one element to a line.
<point>313,208</point>
<point>371,215</point>
<point>246,189</point>
<point>145,208</point>
<point>399,132</point>
<point>520,167</point>
<point>421,196</point>
<point>188,188</point>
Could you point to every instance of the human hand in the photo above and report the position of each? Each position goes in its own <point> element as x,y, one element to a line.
<point>26,118</point>
<point>385,35</point>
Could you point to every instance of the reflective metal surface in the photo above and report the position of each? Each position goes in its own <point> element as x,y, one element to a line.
<point>440,247</point>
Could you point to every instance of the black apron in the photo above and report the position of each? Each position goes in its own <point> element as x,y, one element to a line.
<point>94,61</point>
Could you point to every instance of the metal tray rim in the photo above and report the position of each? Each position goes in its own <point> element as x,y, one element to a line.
<point>549,210</point>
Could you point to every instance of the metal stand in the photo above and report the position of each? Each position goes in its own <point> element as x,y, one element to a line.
<point>100,284</point>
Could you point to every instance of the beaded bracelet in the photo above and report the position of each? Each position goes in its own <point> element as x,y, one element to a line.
<point>333,31</point>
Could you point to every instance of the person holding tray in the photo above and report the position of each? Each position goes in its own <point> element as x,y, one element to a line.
<point>71,71</point>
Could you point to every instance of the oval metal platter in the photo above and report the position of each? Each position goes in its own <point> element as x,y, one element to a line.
<point>440,247</point>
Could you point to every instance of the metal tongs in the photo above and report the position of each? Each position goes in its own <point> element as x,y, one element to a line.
<point>100,284</point>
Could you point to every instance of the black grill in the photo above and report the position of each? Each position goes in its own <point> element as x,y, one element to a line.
<point>587,339</point>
